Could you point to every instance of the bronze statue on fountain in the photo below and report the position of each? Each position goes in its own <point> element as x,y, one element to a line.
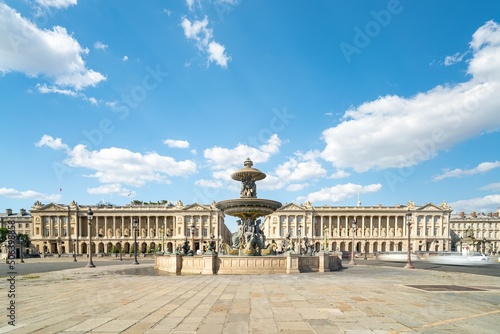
<point>249,239</point>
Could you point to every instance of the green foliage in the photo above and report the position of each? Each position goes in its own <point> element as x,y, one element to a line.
<point>25,239</point>
<point>3,234</point>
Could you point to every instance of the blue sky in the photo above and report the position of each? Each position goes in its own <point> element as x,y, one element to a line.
<point>117,101</point>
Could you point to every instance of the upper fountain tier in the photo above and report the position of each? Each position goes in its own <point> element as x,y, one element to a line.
<point>248,205</point>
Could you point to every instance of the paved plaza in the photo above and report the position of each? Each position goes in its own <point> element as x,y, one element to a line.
<point>358,299</point>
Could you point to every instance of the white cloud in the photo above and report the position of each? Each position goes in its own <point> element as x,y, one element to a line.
<point>176,143</point>
<point>481,168</point>
<point>125,58</point>
<point>120,166</point>
<point>453,59</point>
<point>296,186</point>
<point>296,170</point>
<point>339,174</point>
<point>198,30</point>
<point>339,192</point>
<point>56,3</point>
<point>100,45</point>
<point>44,89</point>
<point>220,158</point>
<point>491,187</point>
<point>208,183</point>
<point>29,194</point>
<point>216,53</point>
<point>395,131</point>
<point>55,144</point>
<point>479,204</point>
<point>111,189</point>
<point>190,4</point>
<point>54,54</point>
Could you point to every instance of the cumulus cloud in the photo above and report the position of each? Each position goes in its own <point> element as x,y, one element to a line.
<point>176,143</point>
<point>118,166</point>
<point>29,194</point>
<point>339,192</point>
<point>481,204</point>
<point>395,131</point>
<point>481,168</point>
<point>198,31</point>
<point>53,54</point>
<point>220,158</point>
<point>53,143</point>
<point>300,169</point>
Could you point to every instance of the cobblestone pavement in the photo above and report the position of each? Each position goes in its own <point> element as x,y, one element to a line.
<point>358,299</point>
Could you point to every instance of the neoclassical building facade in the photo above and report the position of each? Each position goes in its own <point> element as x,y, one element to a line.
<point>377,229</point>
<point>60,229</point>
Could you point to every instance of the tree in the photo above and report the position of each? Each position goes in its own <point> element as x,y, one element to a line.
<point>3,234</point>
<point>25,239</point>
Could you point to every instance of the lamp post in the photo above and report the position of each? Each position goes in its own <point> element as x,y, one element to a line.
<point>74,250</point>
<point>193,226</point>
<point>352,246</point>
<point>484,245</point>
<point>461,249</point>
<point>58,246</point>
<point>135,223</point>
<point>21,241</point>
<point>298,237</point>
<point>90,216</point>
<point>408,215</point>
<point>366,241</point>
<point>163,238</point>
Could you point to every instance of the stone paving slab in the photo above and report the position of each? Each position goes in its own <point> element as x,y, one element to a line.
<point>357,299</point>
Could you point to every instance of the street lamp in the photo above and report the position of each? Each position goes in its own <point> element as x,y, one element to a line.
<point>408,215</point>
<point>21,241</point>
<point>366,241</point>
<point>90,216</point>
<point>298,236</point>
<point>135,223</point>
<point>484,244</point>
<point>352,246</point>
<point>58,246</point>
<point>461,249</point>
<point>74,250</point>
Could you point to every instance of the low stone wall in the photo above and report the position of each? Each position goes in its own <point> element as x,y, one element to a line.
<point>231,265</point>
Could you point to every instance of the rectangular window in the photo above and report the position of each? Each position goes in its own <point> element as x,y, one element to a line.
<point>46,232</point>
<point>56,232</point>
<point>205,232</point>
<point>282,232</point>
<point>196,232</point>
<point>27,225</point>
<point>65,232</point>
<point>188,232</point>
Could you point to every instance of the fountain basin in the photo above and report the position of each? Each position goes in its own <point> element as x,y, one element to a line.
<point>248,207</point>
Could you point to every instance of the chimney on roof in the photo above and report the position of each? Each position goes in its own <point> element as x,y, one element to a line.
<point>22,212</point>
<point>490,214</point>
<point>9,212</point>
<point>495,214</point>
<point>462,214</point>
<point>473,214</point>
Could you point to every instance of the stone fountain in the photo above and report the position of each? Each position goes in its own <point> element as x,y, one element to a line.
<point>248,240</point>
